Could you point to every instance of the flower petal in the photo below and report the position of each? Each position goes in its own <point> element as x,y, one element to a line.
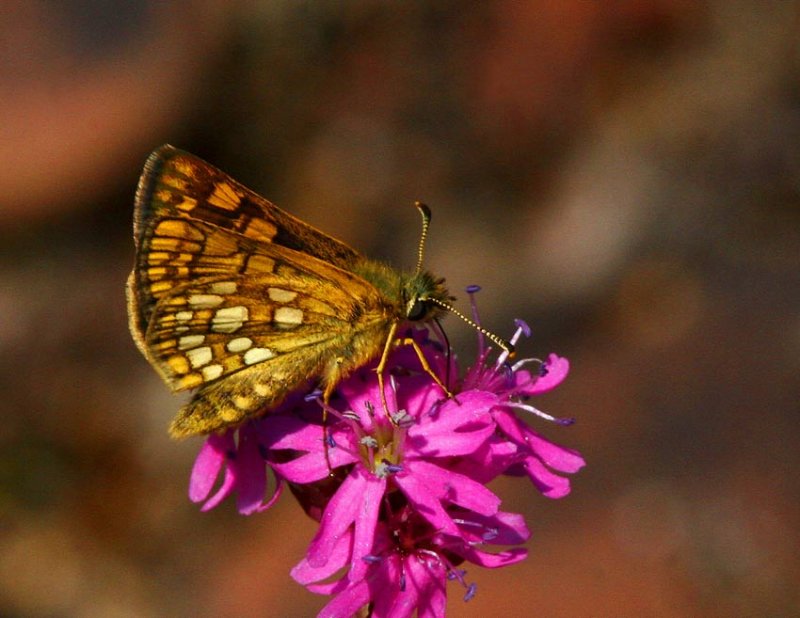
<point>454,488</point>
<point>556,368</point>
<point>208,463</point>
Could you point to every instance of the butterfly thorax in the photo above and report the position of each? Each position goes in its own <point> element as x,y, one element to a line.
<point>407,296</point>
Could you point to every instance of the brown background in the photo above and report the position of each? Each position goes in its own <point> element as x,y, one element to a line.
<point>625,175</point>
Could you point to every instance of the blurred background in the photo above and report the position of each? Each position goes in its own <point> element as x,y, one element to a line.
<point>624,175</point>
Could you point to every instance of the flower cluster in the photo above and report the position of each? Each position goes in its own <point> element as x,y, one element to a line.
<point>397,480</point>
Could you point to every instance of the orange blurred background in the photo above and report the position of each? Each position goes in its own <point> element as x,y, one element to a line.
<point>624,175</point>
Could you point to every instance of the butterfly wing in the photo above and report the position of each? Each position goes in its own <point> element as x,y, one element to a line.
<point>233,296</point>
<point>177,189</point>
<point>247,343</point>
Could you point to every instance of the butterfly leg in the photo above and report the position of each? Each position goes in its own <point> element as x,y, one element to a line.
<point>424,362</point>
<point>382,366</point>
<point>391,343</point>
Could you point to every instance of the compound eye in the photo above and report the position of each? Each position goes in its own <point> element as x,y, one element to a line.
<point>417,310</point>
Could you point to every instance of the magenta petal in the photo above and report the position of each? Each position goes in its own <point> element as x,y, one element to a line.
<point>286,432</point>
<point>557,370</point>
<point>207,465</point>
<point>457,428</point>
<point>426,502</point>
<point>340,553</point>
<point>338,516</point>
<point>549,483</point>
<point>251,472</point>
<point>429,582</point>
<point>494,561</point>
<point>455,488</point>
<point>347,602</point>
<point>227,487</point>
<point>554,455</point>
<point>365,522</point>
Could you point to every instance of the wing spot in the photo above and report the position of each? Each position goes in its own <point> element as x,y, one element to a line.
<point>261,389</point>
<point>199,356</point>
<point>205,301</point>
<point>229,319</point>
<point>184,316</point>
<point>260,230</point>
<point>242,402</point>
<point>190,380</point>
<point>160,286</point>
<point>288,315</point>
<point>188,204</point>
<point>190,341</point>
<point>224,197</point>
<point>257,355</point>
<point>211,372</point>
<point>240,344</point>
<point>229,415</point>
<point>178,229</point>
<point>224,287</point>
<point>279,295</point>
<point>260,263</point>
<point>178,364</point>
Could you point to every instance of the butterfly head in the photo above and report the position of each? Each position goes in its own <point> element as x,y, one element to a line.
<point>425,297</point>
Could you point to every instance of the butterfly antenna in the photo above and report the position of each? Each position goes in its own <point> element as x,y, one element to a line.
<point>426,222</point>
<point>499,341</point>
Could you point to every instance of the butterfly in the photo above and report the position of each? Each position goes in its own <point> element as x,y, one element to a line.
<point>238,300</point>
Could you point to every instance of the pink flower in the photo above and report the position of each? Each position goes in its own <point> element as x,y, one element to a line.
<point>411,563</point>
<point>398,483</point>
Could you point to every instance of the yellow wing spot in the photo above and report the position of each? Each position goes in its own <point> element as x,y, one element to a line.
<point>190,341</point>
<point>156,272</point>
<point>178,364</point>
<point>229,319</point>
<point>240,344</point>
<point>257,355</point>
<point>199,356</point>
<point>205,301</point>
<point>184,316</point>
<point>190,380</point>
<point>224,287</point>
<point>156,257</point>
<point>288,315</point>
<point>174,244</point>
<point>188,204</point>
<point>211,372</point>
<point>183,167</point>
<point>174,181</point>
<point>160,286</point>
<point>281,296</point>
<point>261,389</point>
<point>242,402</point>
<point>260,263</point>
<point>224,196</point>
<point>229,415</point>
<point>178,229</point>
<point>260,229</point>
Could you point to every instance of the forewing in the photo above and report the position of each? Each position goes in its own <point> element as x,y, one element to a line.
<point>192,220</point>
